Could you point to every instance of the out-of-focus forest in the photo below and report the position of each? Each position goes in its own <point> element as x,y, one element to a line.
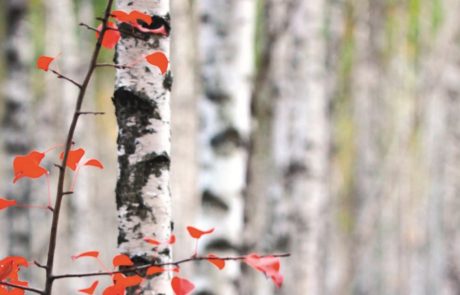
<point>327,129</point>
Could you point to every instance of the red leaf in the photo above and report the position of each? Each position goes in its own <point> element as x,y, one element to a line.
<point>90,290</point>
<point>268,265</point>
<point>74,158</point>
<point>219,263</point>
<point>94,254</point>
<point>4,203</point>
<point>136,15</point>
<point>114,290</point>
<point>182,286</point>
<point>197,233</point>
<point>122,260</point>
<point>124,281</point>
<point>121,16</point>
<point>6,269</point>
<point>28,166</point>
<point>111,35</point>
<point>159,60</point>
<point>43,62</point>
<point>152,241</point>
<point>154,270</point>
<point>95,163</point>
<point>172,239</point>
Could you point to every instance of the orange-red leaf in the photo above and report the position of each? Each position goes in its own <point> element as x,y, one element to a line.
<point>95,163</point>
<point>74,158</point>
<point>197,233</point>
<point>90,290</point>
<point>111,35</point>
<point>132,18</point>
<point>122,260</point>
<point>4,203</point>
<point>94,254</point>
<point>159,60</point>
<point>28,166</point>
<point>182,286</point>
<point>136,16</point>
<point>172,239</point>
<point>124,281</point>
<point>43,62</point>
<point>268,265</point>
<point>6,269</point>
<point>219,263</point>
<point>152,241</point>
<point>154,270</point>
<point>121,16</point>
<point>114,290</point>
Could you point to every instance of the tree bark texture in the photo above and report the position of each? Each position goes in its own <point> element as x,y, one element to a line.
<point>16,131</point>
<point>226,49</point>
<point>142,109</point>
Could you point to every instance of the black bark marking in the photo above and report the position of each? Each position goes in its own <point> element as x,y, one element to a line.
<point>127,31</point>
<point>217,96</point>
<point>221,245</point>
<point>227,141</point>
<point>168,81</point>
<point>134,112</point>
<point>212,200</point>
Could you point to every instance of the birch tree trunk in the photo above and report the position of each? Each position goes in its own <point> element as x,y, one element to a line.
<point>16,130</point>
<point>288,207</point>
<point>142,109</point>
<point>226,49</point>
<point>184,168</point>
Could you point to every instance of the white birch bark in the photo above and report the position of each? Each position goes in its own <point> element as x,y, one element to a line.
<point>226,47</point>
<point>54,110</point>
<point>16,132</point>
<point>143,114</point>
<point>184,127</point>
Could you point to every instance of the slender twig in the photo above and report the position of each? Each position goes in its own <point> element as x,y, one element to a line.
<point>112,65</point>
<point>145,266</point>
<point>88,27</point>
<point>38,264</point>
<point>91,113</point>
<point>61,76</point>
<point>22,288</point>
<point>68,145</point>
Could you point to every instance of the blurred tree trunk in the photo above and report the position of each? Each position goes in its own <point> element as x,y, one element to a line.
<point>54,109</point>
<point>143,115</point>
<point>288,170</point>
<point>226,48</point>
<point>184,125</point>
<point>16,129</point>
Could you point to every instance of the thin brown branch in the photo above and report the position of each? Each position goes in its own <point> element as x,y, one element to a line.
<point>68,145</point>
<point>91,113</point>
<point>145,266</point>
<point>112,66</point>
<point>61,76</point>
<point>22,288</point>
<point>89,27</point>
<point>38,264</point>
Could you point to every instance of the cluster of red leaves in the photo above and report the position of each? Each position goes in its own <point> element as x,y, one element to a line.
<point>9,272</point>
<point>134,18</point>
<point>268,265</point>
<point>28,166</point>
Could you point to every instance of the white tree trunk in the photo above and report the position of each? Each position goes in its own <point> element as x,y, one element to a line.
<point>226,50</point>
<point>184,127</point>
<point>143,114</point>
<point>16,131</point>
<point>295,191</point>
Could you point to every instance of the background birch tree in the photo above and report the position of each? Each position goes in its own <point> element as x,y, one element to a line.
<point>226,48</point>
<point>142,109</point>
<point>16,131</point>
